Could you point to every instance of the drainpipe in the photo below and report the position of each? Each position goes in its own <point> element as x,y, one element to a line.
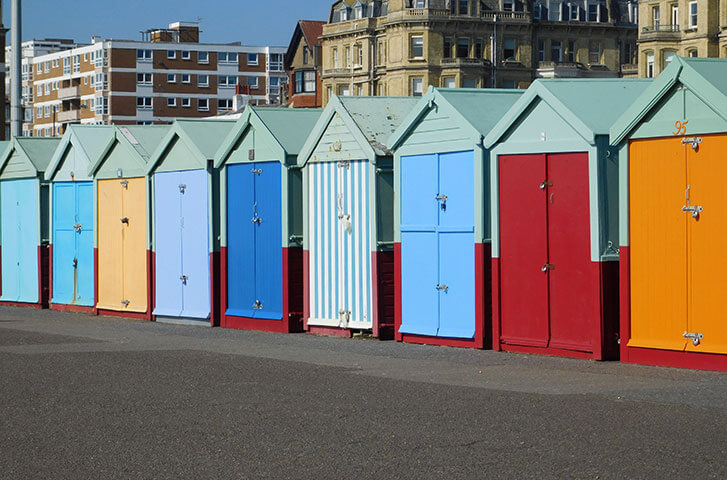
<point>493,47</point>
<point>16,65</point>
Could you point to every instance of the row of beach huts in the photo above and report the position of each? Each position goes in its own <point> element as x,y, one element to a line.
<point>584,218</point>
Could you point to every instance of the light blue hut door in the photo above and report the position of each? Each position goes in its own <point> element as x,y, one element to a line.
<point>19,200</point>
<point>168,244</point>
<point>195,277</point>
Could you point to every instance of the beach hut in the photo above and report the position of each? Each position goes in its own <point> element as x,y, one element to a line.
<point>24,218</point>
<point>72,264</point>
<point>185,221</point>
<point>673,218</point>
<point>554,218</point>
<point>122,246</point>
<point>261,219</point>
<point>348,227</point>
<point>441,214</point>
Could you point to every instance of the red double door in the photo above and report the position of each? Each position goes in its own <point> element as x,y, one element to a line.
<point>548,289</point>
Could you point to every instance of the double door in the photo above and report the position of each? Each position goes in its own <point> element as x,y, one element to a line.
<point>339,229</point>
<point>73,268</point>
<point>438,245</point>
<point>122,240</point>
<point>254,241</point>
<point>548,287</point>
<point>677,225</point>
<point>19,221</point>
<point>181,234</point>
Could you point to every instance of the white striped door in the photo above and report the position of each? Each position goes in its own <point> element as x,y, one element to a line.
<point>340,246</point>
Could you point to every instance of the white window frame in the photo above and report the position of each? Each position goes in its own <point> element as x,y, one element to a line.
<point>693,14</point>
<point>146,55</point>
<point>186,102</point>
<point>650,65</point>
<point>186,78</point>
<point>171,54</point>
<point>172,102</point>
<point>203,104</point>
<point>417,86</point>
<point>201,82</point>
<point>253,62</point>
<point>144,104</point>
<point>416,41</point>
<point>171,78</point>
<point>254,79</point>
<point>144,80</point>
<point>186,55</point>
<point>206,60</point>
<point>227,106</point>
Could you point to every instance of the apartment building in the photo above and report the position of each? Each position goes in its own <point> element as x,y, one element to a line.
<point>303,64</point>
<point>399,47</point>
<point>687,28</point>
<point>166,75</point>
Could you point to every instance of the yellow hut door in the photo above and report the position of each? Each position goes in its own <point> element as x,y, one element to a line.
<point>706,211</point>
<point>110,257</point>
<point>658,243</point>
<point>134,224</point>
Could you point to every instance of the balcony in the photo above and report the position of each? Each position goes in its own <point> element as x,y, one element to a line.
<point>660,32</point>
<point>68,93</point>
<point>69,116</point>
<point>459,62</point>
<point>573,70</point>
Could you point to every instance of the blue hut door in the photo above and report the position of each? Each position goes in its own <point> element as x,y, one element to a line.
<point>73,272</point>
<point>19,200</point>
<point>437,245</point>
<point>195,267</point>
<point>167,244</point>
<point>254,230</point>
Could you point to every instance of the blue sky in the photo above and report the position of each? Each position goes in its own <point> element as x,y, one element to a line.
<point>253,22</point>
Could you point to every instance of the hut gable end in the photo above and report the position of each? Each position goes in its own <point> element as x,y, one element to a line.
<point>338,143</point>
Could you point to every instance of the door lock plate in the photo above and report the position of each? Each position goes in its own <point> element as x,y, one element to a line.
<point>125,220</point>
<point>257,220</point>
<point>78,227</point>
<point>546,267</point>
<point>695,210</point>
<point>546,183</point>
<point>256,171</point>
<point>125,183</point>
<point>257,305</point>
<point>182,187</point>
<point>125,303</point>
<point>695,337</point>
<point>693,141</point>
<point>184,279</point>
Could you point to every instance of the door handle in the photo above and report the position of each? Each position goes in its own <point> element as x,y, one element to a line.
<point>546,183</point>
<point>546,267</point>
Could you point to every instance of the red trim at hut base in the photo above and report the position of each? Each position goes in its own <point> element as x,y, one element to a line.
<point>22,304</point>
<point>330,331</point>
<point>553,352</point>
<point>43,269</point>
<point>214,262</point>
<point>60,307</point>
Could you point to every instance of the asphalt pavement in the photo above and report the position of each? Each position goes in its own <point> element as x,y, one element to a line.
<point>85,397</point>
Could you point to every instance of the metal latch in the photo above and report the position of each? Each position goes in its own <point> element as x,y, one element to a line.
<point>75,263</point>
<point>257,171</point>
<point>442,288</point>
<point>125,303</point>
<point>182,187</point>
<point>257,220</point>
<point>442,198</point>
<point>125,183</point>
<point>693,141</point>
<point>695,210</point>
<point>257,305</point>
<point>184,278</point>
<point>345,164</point>
<point>344,316</point>
<point>546,183</point>
<point>547,266</point>
<point>78,227</point>
<point>694,337</point>
<point>125,220</point>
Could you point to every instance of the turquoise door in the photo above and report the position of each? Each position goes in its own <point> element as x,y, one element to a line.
<point>19,212</point>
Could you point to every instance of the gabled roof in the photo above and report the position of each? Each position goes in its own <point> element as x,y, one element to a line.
<point>480,108</point>
<point>289,126</point>
<point>706,78</point>
<point>310,30</point>
<point>89,139</point>
<point>35,151</point>
<point>139,140</point>
<point>371,120</point>
<point>202,138</point>
<point>588,105</point>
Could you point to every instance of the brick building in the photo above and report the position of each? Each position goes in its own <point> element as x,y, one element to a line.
<point>303,64</point>
<point>166,75</point>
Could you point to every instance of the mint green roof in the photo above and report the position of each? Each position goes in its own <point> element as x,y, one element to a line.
<point>36,151</point>
<point>142,140</point>
<point>203,137</point>
<point>588,105</point>
<point>89,139</point>
<point>706,78</point>
<point>371,119</point>
<point>480,108</point>
<point>290,126</point>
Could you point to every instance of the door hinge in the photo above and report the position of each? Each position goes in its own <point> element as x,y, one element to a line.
<point>125,183</point>
<point>695,210</point>
<point>693,141</point>
<point>546,183</point>
<point>125,220</point>
<point>182,187</point>
<point>184,279</point>
<point>694,337</point>
<point>125,303</point>
<point>78,227</point>
<point>257,305</point>
<point>546,267</point>
<point>256,171</point>
<point>442,287</point>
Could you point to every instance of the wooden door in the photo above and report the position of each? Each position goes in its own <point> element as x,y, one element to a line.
<point>110,250</point>
<point>134,280</point>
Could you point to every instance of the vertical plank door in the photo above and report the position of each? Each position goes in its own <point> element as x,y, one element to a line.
<point>195,279</point>
<point>268,241</point>
<point>134,281</point>
<point>65,279</point>
<point>168,244</point>
<point>110,249</point>
<point>241,213</point>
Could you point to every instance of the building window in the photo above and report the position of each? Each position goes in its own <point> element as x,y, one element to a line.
<point>693,53</point>
<point>449,82</point>
<point>66,65</point>
<point>334,57</point>
<point>226,81</point>
<point>47,88</point>
<point>47,110</point>
<point>47,66</point>
<point>85,82</point>
<point>571,54</point>
<point>594,53</point>
<point>143,103</point>
<point>227,57</point>
<point>171,78</point>
<point>102,105</point>
<point>203,104</point>
<point>171,102</point>
<point>344,90</point>
<point>541,50</point>
<point>343,15</point>
<point>76,63</point>
<point>508,5</point>
<point>40,91</point>
<point>275,62</point>
<point>171,54</point>
<point>668,57</point>
<point>479,50</point>
<point>509,84</point>
<point>55,63</point>
<point>224,104</point>
<point>650,65</point>
<point>305,55</point>
<point>469,82</point>
<point>417,47</point>
<point>593,12</point>
<point>39,68</point>
<point>347,57</point>
<point>252,82</point>
<point>203,57</point>
<point>186,78</point>
<point>203,80</point>
<point>464,7</point>
<point>655,17</point>
<point>358,49</point>
<point>141,56</point>
<point>508,52</point>
<point>540,12</point>
<point>693,9</point>
<point>186,102</point>
<point>447,47</point>
<point>143,79</point>
<point>359,10</point>
<point>556,51</point>
<point>252,59</point>
<point>463,47</point>
<point>305,81</point>
<point>417,86</point>
<point>675,17</point>
<point>186,55</point>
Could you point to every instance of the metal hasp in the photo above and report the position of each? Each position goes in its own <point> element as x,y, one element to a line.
<point>443,199</point>
<point>256,171</point>
<point>184,279</point>
<point>78,227</point>
<point>344,164</point>
<point>694,337</point>
<point>546,267</point>
<point>257,220</point>
<point>182,188</point>
<point>125,303</point>
<point>75,263</point>
<point>125,183</point>
<point>546,183</point>
<point>125,220</point>
<point>442,288</point>
<point>344,317</point>
<point>257,305</point>
<point>693,141</point>
<point>695,210</point>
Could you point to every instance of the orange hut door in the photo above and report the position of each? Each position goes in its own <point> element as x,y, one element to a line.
<point>658,243</point>
<point>707,237</point>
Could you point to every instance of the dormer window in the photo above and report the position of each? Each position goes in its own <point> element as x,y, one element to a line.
<point>343,13</point>
<point>359,10</point>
